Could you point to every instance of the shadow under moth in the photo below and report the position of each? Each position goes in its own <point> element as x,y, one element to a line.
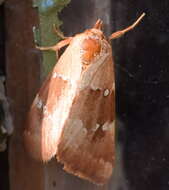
<point>73,115</point>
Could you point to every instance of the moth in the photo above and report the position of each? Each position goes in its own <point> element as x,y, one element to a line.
<point>72,117</point>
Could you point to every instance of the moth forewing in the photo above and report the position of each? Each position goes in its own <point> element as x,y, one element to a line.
<point>86,146</point>
<point>73,114</point>
<point>51,105</point>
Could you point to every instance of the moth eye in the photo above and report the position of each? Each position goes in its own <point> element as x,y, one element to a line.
<point>91,48</point>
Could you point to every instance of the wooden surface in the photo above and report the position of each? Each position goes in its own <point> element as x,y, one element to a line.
<point>23,80</point>
<point>22,67</point>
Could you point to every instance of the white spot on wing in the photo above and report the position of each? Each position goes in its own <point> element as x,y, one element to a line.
<point>63,77</point>
<point>45,111</point>
<point>108,126</point>
<point>54,75</point>
<point>38,102</point>
<point>105,126</point>
<point>106,92</point>
<point>96,127</point>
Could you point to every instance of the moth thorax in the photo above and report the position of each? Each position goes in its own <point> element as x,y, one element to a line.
<point>91,48</point>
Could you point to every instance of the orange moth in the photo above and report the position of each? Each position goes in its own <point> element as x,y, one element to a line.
<point>73,114</point>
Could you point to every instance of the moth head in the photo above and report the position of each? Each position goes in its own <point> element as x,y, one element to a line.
<point>94,44</point>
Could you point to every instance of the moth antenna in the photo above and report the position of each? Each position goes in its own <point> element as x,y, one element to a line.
<point>58,32</point>
<point>120,33</point>
<point>58,46</point>
<point>98,24</point>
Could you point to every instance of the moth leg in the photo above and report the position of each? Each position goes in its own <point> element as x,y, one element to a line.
<point>58,46</point>
<point>120,33</point>
<point>59,33</point>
